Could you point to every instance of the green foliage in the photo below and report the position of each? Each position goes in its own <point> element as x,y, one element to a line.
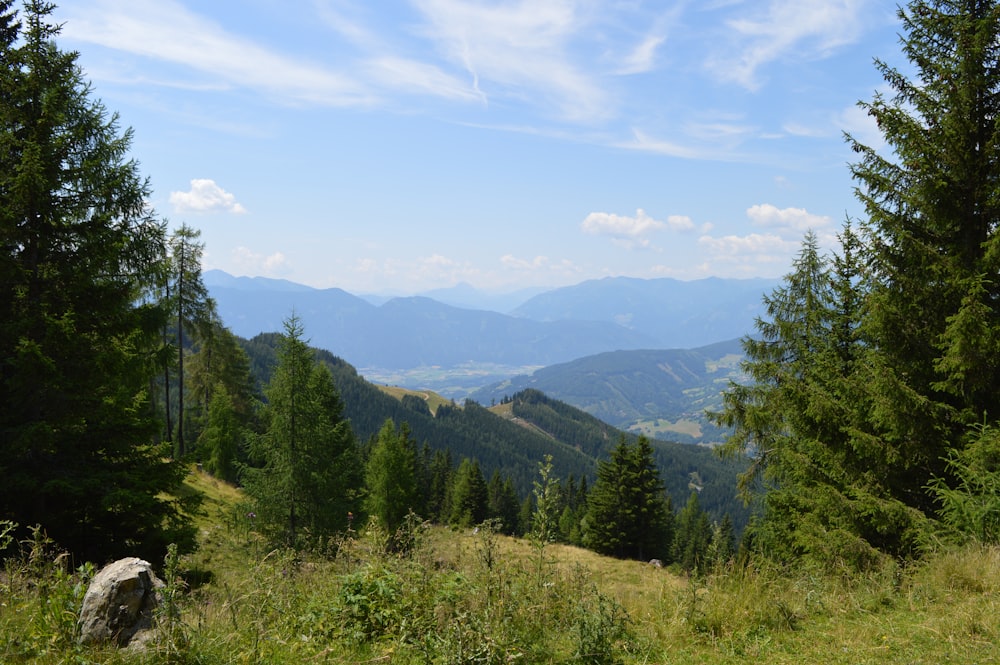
<point>371,604</point>
<point>600,629</point>
<point>78,325</point>
<point>222,438</point>
<point>970,504</point>
<point>469,495</point>
<point>692,537</point>
<point>310,472</point>
<point>390,477</point>
<point>629,514</point>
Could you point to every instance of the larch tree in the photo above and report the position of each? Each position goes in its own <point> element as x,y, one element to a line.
<point>308,475</point>
<point>193,310</point>
<point>79,248</point>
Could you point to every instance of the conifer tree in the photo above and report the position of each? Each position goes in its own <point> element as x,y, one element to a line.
<point>390,477</point>
<point>191,306</point>
<point>470,498</point>
<point>223,437</point>
<point>692,536</point>
<point>629,514</point>
<point>930,241</point>
<point>309,477</point>
<point>78,328</point>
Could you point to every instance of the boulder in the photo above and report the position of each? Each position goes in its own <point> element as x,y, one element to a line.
<point>120,602</point>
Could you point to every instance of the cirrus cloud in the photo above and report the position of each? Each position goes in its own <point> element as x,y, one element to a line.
<point>205,196</point>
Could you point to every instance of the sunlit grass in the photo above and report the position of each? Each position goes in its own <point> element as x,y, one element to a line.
<point>467,596</point>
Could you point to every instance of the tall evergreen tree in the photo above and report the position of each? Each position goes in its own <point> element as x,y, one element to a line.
<point>390,477</point>
<point>192,308</point>
<point>470,497</point>
<point>930,240</point>
<point>78,247</point>
<point>310,474</point>
<point>629,513</point>
<point>692,536</point>
<point>223,437</point>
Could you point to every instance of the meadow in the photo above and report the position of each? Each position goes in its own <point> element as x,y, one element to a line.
<point>438,595</point>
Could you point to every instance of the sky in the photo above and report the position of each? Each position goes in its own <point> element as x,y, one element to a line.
<point>392,147</point>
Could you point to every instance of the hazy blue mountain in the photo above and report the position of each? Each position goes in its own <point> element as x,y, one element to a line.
<point>406,336</point>
<point>411,332</point>
<point>677,314</point>
<point>660,393</point>
<point>219,278</point>
<point>469,297</point>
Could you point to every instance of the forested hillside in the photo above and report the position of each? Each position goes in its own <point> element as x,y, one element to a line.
<point>574,439</point>
<point>661,393</point>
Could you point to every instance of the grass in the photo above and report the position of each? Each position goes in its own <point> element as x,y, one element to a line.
<point>432,398</point>
<point>477,597</point>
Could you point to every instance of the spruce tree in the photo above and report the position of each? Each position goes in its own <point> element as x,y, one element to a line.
<point>692,537</point>
<point>930,242</point>
<point>470,497</point>
<point>390,477</point>
<point>78,329</point>
<point>309,475</point>
<point>629,514</point>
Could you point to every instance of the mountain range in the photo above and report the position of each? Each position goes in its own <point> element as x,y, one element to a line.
<point>659,393</point>
<point>556,326</point>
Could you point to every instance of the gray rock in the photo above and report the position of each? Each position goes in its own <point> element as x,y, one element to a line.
<point>120,602</point>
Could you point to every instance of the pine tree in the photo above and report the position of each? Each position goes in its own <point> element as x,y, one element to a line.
<point>629,514</point>
<point>390,477</point>
<point>78,330</point>
<point>503,503</point>
<point>310,475</point>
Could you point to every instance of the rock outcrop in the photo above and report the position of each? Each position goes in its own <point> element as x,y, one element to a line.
<point>120,602</point>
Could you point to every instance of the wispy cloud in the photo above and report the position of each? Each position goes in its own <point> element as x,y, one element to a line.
<point>205,196</point>
<point>519,50</point>
<point>781,29</point>
<point>165,30</point>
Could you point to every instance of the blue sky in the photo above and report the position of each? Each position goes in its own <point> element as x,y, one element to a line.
<point>386,146</point>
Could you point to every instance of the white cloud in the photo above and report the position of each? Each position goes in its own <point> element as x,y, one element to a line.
<point>754,244</point>
<point>165,30</point>
<point>250,262</point>
<point>803,28</point>
<point>515,263</point>
<point>419,77</point>
<point>632,232</point>
<point>519,49</point>
<point>790,219</point>
<point>205,196</point>
<point>643,56</point>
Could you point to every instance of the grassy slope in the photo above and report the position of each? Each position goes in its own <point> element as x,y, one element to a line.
<point>432,398</point>
<point>465,596</point>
